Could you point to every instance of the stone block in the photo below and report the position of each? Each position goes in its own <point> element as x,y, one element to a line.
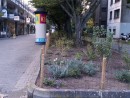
<point>87,94</point>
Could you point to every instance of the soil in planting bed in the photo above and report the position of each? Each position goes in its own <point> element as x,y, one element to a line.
<point>86,82</point>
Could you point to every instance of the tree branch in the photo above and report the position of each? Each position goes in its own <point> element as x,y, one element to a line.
<point>92,6</point>
<point>69,14</point>
<point>89,13</point>
<point>70,6</point>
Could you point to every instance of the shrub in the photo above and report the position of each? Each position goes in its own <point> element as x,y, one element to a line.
<point>102,41</point>
<point>58,71</point>
<point>49,82</point>
<point>78,56</point>
<point>89,69</point>
<point>126,59</point>
<point>123,76</point>
<point>52,82</point>
<point>90,53</point>
<point>64,44</point>
<point>53,37</point>
<point>69,43</point>
<point>71,68</point>
<point>65,68</point>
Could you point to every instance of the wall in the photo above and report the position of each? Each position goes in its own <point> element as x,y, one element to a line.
<point>100,15</point>
<point>125,12</point>
<point>125,28</point>
<point>114,23</point>
<point>115,26</point>
<point>113,7</point>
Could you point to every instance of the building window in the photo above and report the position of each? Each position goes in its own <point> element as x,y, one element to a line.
<point>117,1</point>
<point>114,31</point>
<point>104,9</point>
<point>128,1</point>
<point>116,13</point>
<point>109,30</point>
<point>2,3</point>
<point>110,15</point>
<point>111,2</point>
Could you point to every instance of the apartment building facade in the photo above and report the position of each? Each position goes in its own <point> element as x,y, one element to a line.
<point>118,20</point>
<point>100,15</point>
<point>16,18</point>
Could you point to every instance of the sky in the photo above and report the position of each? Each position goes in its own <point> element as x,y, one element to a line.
<point>26,1</point>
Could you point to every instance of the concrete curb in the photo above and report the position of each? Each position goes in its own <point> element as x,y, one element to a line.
<point>36,92</point>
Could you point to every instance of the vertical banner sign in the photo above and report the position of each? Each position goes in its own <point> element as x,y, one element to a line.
<point>40,25</point>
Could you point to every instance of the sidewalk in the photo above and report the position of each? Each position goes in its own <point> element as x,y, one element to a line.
<point>28,78</point>
<point>19,65</point>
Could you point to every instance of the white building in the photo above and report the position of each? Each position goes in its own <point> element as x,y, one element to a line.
<point>118,20</point>
<point>17,18</point>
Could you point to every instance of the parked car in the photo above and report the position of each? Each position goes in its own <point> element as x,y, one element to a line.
<point>125,37</point>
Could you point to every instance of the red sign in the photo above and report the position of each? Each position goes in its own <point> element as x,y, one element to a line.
<point>42,18</point>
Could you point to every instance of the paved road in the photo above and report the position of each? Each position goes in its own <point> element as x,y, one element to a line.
<point>124,47</point>
<point>16,56</point>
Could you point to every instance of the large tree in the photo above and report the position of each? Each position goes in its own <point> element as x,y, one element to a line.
<point>78,10</point>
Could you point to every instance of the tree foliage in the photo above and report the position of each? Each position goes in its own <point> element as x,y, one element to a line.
<point>102,41</point>
<point>78,10</point>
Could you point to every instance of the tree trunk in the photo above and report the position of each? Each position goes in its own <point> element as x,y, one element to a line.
<point>78,31</point>
<point>78,38</point>
<point>68,28</point>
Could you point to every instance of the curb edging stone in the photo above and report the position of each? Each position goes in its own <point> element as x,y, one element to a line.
<point>36,92</point>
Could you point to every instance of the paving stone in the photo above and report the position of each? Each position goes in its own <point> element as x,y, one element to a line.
<point>19,61</point>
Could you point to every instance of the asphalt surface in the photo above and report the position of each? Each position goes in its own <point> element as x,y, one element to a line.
<point>123,47</point>
<point>16,55</point>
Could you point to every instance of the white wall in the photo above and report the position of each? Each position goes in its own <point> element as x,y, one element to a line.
<point>113,7</point>
<point>115,26</point>
<point>125,28</point>
<point>114,23</point>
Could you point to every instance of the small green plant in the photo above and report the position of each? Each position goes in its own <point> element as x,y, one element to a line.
<point>66,68</point>
<point>74,69</point>
<point>49,82</point>
<point>78,56</point>
<point>52,82</point>
<point>90,53</point>
<point>123,76</point>
<point>71,68</point>
<point>126,59</point>
<point>89,69</point>
<point>58,71</point>
<point>102,41</point>
<point>69,43</point>
<point>64,44</point>
<point>54,36</point>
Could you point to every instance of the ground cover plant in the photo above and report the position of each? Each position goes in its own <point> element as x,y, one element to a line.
<point>78,71</point>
